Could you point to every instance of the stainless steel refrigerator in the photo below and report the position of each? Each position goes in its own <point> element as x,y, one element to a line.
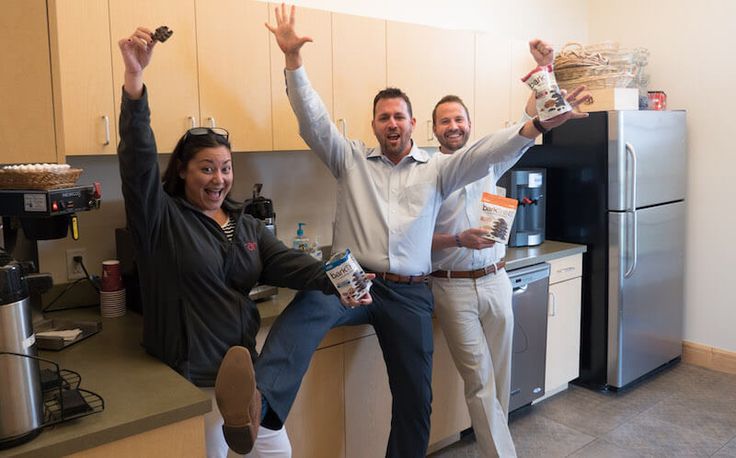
<point>616,182</point>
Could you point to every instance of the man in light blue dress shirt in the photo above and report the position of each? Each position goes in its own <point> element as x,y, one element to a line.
<point>388,199</point>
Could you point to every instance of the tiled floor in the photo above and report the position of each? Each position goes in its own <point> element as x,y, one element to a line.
<point>685,411</point>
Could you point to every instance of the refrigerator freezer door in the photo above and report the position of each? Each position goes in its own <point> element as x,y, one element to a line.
<point>645,309</point>
<point>646,158</point>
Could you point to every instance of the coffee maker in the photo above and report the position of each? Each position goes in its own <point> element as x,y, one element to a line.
<point>261,208</point>
<point>528,187</point>
<point>32,215</point>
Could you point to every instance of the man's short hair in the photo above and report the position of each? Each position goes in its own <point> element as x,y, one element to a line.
<point>392,93</point>
<point>449,99</point>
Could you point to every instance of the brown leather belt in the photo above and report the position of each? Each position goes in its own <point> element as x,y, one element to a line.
<point>405,279</point>
<point>477,273</point>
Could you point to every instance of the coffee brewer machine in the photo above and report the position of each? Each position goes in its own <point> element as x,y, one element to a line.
<point>261,208</point>
<point>527,186</point>
<point>32,215</point>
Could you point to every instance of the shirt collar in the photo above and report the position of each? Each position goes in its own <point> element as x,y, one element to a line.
<point>415,153</point>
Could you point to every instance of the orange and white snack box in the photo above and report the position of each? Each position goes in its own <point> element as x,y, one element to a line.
<point>497,215</point>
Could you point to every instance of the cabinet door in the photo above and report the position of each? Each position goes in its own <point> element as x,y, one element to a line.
<point>171,78</point>
<point>492,88</point>
<point>316,423</point>
<point>318,63</point>
<point>563,333</point>
<point>359,72</point>
<point>26,112</point>
<point>449,410</point>
<point>82,76</point>
<point>234,71</point>
<point>427,64</point>
<point>367,399</point>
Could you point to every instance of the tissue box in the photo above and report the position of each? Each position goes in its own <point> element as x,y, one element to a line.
<point>612,98</point>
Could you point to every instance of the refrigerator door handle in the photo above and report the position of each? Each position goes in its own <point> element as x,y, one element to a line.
<point>634,242</point>
<point>630,151</point>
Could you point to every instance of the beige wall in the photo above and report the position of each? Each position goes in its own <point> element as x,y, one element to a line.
<point>692,61</point>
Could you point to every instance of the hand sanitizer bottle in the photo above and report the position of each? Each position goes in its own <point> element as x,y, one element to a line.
<point>300,242</point>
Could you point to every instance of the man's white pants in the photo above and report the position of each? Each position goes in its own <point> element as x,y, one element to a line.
<point>477,319</point>
<point>269,444</point>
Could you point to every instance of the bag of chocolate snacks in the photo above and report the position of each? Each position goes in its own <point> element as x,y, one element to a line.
<point>550,101</point>
<point>497,215</point>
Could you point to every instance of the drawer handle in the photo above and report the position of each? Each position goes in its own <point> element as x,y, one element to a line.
<point>566,269</point>
<point>106,120</point>
<point>552,305</point>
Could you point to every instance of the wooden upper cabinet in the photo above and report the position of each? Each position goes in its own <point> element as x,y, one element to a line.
<point>171,77</point>
<point>234,71</point>
<point>429,63</point>
<point>359,72</point>
<point>318,63</point>
<point>26,111</point>
<point>82,77</point>
<point>492,89</point>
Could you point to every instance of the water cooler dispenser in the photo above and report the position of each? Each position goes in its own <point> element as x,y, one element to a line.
<point>528,186</point>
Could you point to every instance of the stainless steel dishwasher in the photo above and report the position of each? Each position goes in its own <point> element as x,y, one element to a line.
<point>531,287</point>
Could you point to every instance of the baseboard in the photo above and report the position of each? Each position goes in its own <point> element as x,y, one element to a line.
<point>709,357</point>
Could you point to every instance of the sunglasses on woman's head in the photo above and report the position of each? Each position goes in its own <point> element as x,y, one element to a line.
<point>195,131</point>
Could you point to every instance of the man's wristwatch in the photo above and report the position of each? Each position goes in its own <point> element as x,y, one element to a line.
<point>538,125</point>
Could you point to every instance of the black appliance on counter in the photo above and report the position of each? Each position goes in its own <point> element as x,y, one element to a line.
<point>261,208</point>
<point>30,215</point>
<point>527,186</point>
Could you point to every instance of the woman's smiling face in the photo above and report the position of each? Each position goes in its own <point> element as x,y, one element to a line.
<point>208,178</point>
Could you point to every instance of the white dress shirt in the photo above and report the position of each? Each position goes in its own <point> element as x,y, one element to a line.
<point>386,212</point>
<point>461,211</point>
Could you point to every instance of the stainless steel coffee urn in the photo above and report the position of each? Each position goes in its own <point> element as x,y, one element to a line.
<point>21,402</point>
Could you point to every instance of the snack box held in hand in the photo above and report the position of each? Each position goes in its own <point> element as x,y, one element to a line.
<point>497,215</point>
<point>347,275</point>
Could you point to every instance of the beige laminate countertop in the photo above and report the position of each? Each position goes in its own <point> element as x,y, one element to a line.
<point>140,392</point>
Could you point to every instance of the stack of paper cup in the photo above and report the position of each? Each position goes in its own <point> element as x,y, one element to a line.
<point>112,292</point>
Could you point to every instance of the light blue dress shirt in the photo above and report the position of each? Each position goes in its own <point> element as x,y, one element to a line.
<point>386,212</point>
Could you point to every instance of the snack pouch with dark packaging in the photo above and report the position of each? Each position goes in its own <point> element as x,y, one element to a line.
<point>162,34</point>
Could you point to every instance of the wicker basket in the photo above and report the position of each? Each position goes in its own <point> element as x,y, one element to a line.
<point>598,66</point>
<point>14,179</point>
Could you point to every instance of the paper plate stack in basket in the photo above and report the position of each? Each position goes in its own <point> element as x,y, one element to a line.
<point>38,176</point>
<point>598,66</point>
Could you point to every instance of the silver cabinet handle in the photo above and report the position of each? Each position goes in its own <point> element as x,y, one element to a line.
<point>106,120</point>
<point>192,122</point>
<point>211,121</point>
<point>552,304</point>
<point>343,126</point>
<point>520,289</point>
<point>566,269</point>
<point>430,135</point>
<point>632,211</point>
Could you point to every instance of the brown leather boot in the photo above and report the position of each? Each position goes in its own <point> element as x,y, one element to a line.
<point>238,399</point>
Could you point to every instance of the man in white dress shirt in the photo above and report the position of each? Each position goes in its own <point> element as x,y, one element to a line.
<point>471,289</point>
<point>387,203</point>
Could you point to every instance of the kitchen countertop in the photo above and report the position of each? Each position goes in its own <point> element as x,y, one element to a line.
<point>140,392</point>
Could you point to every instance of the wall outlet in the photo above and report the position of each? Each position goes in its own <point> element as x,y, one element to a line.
<point>74,270</point>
